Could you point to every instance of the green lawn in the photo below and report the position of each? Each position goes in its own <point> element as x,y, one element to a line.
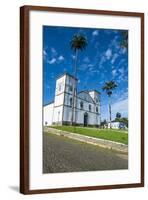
<point>113,135</point>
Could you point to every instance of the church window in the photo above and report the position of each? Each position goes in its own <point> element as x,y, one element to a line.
<point>81,105</point>
<point>89,107</point>
<point>70,88</point>
<point>70,101</point>
<point>97,109</point>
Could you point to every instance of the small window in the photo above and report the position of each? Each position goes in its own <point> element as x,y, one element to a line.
<point>70,88</point>
<point>81,105</point>
<point>97,100</point>
<point>89,107</point>
<point>60,87</point>
<point>97,109</point>
<point>70,101</point>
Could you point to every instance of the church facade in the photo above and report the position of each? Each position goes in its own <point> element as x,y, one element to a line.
<point>83,111</point>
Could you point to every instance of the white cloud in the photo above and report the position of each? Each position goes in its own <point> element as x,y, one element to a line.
<point>83,67</point>
<point>90,65</point>
<point>47,86</point>
<point>102,60</point>
<point>95,33</point>
<point>121,70</point>
<point>120,106</point>
<point>45,55</point>
<point>53,51</point>
<point>96,45</point>
<point>86,60</point>
<point>121,62</point>
<point>108,54</point>
<point>114,72</point>
<point>115,56</point>
<point>107,32</point>
<point>123,95</point>
<point>52,75</point>
<point>73,56</point>
<point>115,43</point>
<point>44,52</point>
<point>123,50</point>
<point>61,58</point>
<point>52,61</point>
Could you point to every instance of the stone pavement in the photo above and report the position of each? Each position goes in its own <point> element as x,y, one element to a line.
<point>62,154</point>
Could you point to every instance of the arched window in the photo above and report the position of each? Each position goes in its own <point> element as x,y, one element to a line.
<point>81,105</point>
<point>70,101</point>
<point>89,107</point>
<point>97,109</point>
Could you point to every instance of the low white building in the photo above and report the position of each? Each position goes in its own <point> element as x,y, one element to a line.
<point>86,110</point>
<point>117,125</point>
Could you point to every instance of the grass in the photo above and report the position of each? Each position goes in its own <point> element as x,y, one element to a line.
<point>107,134</point>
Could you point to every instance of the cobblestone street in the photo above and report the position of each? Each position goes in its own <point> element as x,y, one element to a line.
<point>62,154</point>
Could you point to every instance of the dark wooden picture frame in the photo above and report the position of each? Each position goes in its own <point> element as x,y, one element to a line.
<point>24,98</point>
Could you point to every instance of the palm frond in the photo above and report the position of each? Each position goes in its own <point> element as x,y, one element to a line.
<point>78,42</point>
<point>109,87</point>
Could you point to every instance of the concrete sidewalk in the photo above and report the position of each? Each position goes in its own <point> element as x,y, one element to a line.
<point>90,140</point>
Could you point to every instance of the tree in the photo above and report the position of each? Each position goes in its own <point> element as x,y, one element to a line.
<point>78,43</point>
<point>108,88</point>
<point>123,120</point>
<point>124,39</point>
<point>118,115</point>
<point>104,122</point>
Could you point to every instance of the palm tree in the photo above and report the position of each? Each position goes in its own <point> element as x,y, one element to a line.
<point>109,87</point>
<point>78,43</point>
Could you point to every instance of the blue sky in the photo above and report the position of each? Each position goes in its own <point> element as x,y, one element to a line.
<point>103,60</point>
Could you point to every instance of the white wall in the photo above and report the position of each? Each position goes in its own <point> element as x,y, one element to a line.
<point>59,99</point>
<point>9,101</point>
<point>70,81</point>
<point>57,114</point>
<point>67,114</point>
<point>48,114</point>
<point>93,118</point>
<point>60,82</point>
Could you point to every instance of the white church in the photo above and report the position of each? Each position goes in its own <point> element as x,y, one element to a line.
<point>84,111</point>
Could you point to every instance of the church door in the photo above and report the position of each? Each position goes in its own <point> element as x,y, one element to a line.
<point>86,119</point>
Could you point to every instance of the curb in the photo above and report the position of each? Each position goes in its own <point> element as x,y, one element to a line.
<point>90,140</point>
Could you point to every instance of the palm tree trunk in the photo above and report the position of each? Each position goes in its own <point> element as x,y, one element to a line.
<point>74,89</point>
<point>110,114</point>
